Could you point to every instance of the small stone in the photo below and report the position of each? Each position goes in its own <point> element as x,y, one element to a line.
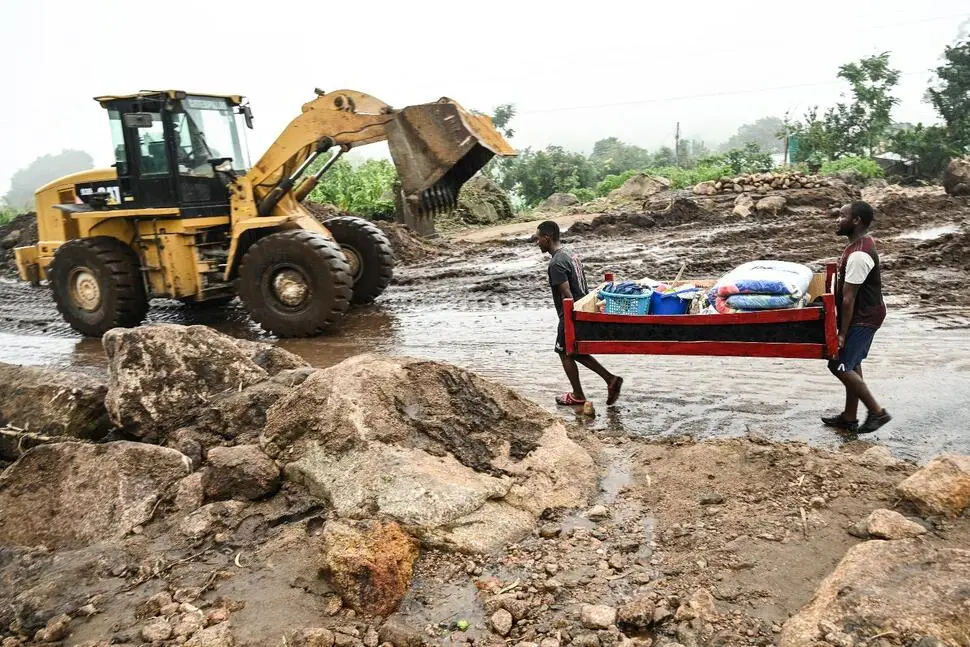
<point>839,639</point>
<point>156,629</point>
<point>185,607</point>
<point>169,609</point>
<point>817,502</point>
<point>343,640</point>
<point>549,642</point>
<point>702,603</point>
<point>57,629</point>
<point>501,622</point>
<point>585,640</point>
<point>661,614</point>
<point>598,513</point>
<point>551,569</point>
<point>636,614</point>
<point>216,616</point>
<point>154,605</point>
<point>878,456</point>
<point>189,594</point>
<point>617,562</point>
<point>552,584</point>
<point>332,604</point>
<point>597,616</point>
<point>318,637</point>
<point>371,638</point>
<point>214,636</point>
<point>888,524</point>
<point>712,498</point>
<point>87,610</point>
<point>859,529</point>
<point>526,644</point>
<point>550,530</point>
<point>189,624</point>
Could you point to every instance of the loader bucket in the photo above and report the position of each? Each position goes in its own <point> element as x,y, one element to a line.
<point>437,147</point>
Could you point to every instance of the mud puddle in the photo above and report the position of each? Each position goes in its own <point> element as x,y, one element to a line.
<point>929,233</point>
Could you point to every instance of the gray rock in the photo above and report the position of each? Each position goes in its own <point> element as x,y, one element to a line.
<point>214,636</point>
<point>70,494</point>
<point>397,630</point>
<point>906,586</point>
<point>597,616</point>
<point>156,629</point>
<point>598,513</point>
<point>712,498</point>
<point>50,403</point>
<point>558,201</point>
<point>941,487</point>
<point>888,524</point>
<point>360,433</point>
<point>501,622</point>
<point>241,472</point>
<point>161,376</point>
<point>585,640</point>
<point>773,204</point>
<point>636,614</point>
<point>878,456</point>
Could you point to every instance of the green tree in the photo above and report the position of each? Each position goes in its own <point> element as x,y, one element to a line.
<point>42,170</point>
<point>502,116</point>
<point>535,175</point>
<point>860,126</point>
<point>664,157</point>
<point>612,156</point>
<point>950,95</point>
<point>766,132</point>
<point>750,159</point>
<point>930,146</point>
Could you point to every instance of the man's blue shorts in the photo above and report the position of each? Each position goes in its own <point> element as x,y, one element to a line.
<point>856,349</point>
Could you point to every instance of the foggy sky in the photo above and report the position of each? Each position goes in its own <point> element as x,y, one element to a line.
<point>577,74</point>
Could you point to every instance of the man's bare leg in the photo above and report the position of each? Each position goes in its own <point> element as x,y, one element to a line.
<point>572,372</point>
<point>851,411</point>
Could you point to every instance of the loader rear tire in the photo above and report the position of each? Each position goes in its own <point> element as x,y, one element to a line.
<point>295,283</point>
<point>368,253</point>
<point>97,285</point>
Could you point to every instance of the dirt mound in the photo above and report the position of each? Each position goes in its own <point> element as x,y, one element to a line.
<point>619,223</point>
<point>409,248</point>
<point>19,232</point>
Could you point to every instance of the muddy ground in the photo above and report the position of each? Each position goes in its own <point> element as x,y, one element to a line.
<point>716,475</point>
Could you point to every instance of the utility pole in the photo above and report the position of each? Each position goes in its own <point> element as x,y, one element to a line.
<point>677,144</point>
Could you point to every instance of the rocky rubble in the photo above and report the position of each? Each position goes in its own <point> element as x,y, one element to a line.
<point>762,182</point>
<point>408,502</point>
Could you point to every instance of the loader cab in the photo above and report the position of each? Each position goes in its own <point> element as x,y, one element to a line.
<point>173,149</point>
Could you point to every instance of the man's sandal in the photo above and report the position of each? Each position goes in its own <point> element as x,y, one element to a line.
<point>568,399</point>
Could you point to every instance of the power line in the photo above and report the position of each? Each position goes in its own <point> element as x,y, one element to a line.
<point>686,97</point>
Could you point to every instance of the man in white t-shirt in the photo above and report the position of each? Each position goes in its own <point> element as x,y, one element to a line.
<point>861,311</point>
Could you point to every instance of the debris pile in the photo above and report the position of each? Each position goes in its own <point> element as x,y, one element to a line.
<point>763,182</point>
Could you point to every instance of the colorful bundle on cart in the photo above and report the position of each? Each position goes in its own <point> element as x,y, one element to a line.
<point>761,285</point>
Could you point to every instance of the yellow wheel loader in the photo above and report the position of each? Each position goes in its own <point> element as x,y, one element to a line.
<point>182,215</point>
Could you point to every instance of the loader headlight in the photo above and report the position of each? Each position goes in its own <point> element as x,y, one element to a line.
<point>224,166</point>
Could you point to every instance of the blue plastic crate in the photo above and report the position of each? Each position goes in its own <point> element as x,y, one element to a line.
<point>627,304</point>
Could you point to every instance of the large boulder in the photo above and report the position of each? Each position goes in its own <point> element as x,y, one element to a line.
<point>639,187</point>
<point>458,461</point>
<point>956,177</point>
<point>773,204</point>
<point>558,201</point>
<point>705,188</point>
<point>369,563</point>
<point>481,202</point>
<point>161,376</point>
<point>743,205</point>
<point>941,487</point>
<point>908,588</point>
<point>51,403</point>
<point>72,494</point>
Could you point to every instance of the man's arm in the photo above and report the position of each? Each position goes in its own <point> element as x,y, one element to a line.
<point>849,293</point>
<point>564,290</point>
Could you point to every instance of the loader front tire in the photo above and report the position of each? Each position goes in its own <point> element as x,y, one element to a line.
<point>369,255</point>
<point>97,285</point>
<point>295,283</point>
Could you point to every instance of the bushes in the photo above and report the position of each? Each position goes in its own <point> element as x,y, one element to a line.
<point>363,190</point>
<point>865,167</point>
<point>6,215</point>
